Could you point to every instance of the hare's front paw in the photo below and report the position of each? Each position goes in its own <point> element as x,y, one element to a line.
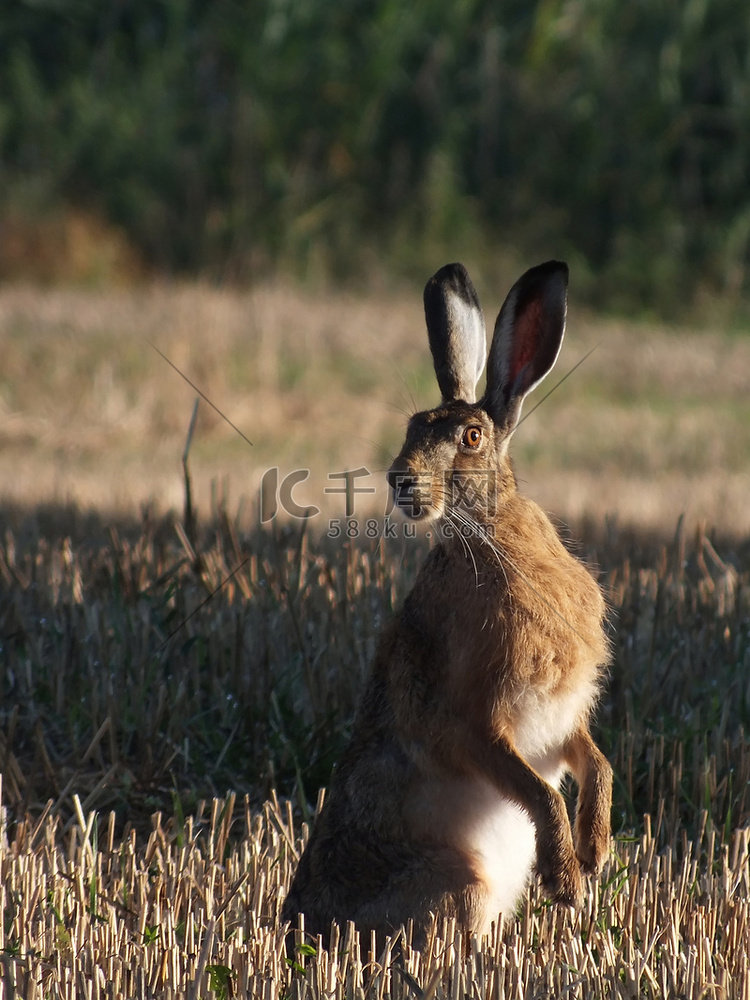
<point>592,828</point>
<point>561,877</point>
<point>592,847</point>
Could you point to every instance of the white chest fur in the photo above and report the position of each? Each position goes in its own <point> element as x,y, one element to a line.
<point>543,722</point>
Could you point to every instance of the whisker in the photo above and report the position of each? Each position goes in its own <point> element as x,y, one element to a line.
<point>479,532</point>
<point>487,538</point>
<point>200,393</point>
<point>203,603</point>
<point>558,384</point>
<point>402,410</point>
<point>544,600</point>
<point>502,557</point>
<point>464,541</point>
<point>407,387</point>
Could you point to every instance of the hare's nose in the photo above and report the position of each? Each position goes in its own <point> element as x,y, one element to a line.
<point>404,484</point>
<point>395,477</point>
<point>401,478</point>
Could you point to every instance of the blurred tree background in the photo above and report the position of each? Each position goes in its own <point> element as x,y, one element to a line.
<point>337,139</point>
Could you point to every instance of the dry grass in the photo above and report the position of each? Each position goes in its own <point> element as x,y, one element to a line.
<point>147,666</point>
<point>193,911</point>
<point>655,423</point>
<point>123,691</point>
<point>143,669</point>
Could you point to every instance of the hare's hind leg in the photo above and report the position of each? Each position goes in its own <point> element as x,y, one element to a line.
<point>593,773</point>
<point>439,881</point>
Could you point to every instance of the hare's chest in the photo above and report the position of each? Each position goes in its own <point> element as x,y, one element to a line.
<point>542,721</point>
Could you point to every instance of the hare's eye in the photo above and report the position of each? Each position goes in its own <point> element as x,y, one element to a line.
<point>472,437</point>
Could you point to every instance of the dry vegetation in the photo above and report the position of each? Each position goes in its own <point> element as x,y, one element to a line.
<point>194,912</point>
<point>125,691</point>
<point>655,423</point>
<point>148,666</point>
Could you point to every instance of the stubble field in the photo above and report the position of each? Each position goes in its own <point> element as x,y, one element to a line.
<point>174,691</point>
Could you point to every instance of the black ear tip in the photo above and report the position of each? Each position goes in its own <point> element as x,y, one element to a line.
<point>551,269</point>
<point>450,273</point>
<point>451,279</point>
<point>547,279</point>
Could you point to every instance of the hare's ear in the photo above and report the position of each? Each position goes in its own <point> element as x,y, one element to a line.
<point>455,327</point>
<point>527,339</point>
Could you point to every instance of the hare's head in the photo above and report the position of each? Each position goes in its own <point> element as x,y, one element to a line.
<point>454,462</point>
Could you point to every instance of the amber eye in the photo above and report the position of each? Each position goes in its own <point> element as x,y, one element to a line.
<point>472,437</point>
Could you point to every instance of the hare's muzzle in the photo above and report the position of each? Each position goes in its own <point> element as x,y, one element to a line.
<point>409,492</point>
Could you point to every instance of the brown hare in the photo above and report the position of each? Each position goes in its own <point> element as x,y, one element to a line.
<point>479,697</point>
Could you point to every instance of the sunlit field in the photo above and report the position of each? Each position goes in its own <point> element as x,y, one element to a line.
<point>176,681</point>
<point>654,423</point>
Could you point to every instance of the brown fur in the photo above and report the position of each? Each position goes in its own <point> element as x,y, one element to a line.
<point>490,667</point>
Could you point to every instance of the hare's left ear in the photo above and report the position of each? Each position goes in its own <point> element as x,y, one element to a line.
<point>455,327</point>
<point>527,339</point>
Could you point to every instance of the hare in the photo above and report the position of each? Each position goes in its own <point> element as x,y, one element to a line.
<point>479,697</point>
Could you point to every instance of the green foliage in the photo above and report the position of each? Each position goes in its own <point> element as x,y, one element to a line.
<point>234,136</point>
<point>220,981</point>
<point>150,934</point>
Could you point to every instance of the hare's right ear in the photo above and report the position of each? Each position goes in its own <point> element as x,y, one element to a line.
<point>455,327</point>
<point>527,339</point>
